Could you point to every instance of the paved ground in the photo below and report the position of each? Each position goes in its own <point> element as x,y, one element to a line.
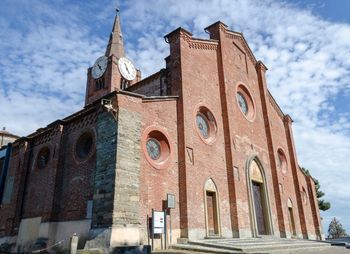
<point>333,250</point>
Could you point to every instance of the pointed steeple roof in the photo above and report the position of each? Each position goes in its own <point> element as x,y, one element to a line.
<point>116,45</point>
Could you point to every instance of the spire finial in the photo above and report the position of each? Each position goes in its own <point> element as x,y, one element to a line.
<point>116,45</point>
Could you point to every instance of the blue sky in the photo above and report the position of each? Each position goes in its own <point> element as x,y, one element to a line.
<point>47,46</point>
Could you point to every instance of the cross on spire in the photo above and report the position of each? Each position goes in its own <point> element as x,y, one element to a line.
<point>116,45</point>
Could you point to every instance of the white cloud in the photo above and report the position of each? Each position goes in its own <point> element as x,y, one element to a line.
<point>44,67</point>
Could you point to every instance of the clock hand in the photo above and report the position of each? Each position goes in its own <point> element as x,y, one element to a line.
<point>99,67</point>
<point>126,68</point>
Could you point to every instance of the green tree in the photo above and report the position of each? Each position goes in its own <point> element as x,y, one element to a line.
<point>336,230</point>
<point>322,204</point>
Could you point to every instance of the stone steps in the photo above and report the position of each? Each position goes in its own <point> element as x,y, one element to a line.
<point>199,248</point>
<point>253,245</point>
<point>91,251</point>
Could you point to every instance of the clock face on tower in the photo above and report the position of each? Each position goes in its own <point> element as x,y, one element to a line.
<point>99,67</point>
<point>126,68</point>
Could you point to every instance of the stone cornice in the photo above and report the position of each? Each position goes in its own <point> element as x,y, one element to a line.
<point>288,119</point>
<point>195,43</point>
<point>183,33</point>
<point>261,66</point>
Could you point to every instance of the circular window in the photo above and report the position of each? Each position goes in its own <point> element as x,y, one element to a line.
<point>202,125</point>
<point>43,158</point>
<point>282,161</point>
<point>84,144</point>
<point>157,149</point>
<point>206,124</point>
<point>245,102</point>
<point>242,103</point>
<point>153,148</point>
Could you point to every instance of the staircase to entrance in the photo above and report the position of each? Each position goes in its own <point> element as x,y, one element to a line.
<point>254,245</point>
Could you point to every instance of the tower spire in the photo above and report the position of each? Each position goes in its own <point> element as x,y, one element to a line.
<point>116,45</point>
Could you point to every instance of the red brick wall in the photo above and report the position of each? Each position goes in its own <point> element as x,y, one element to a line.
<point>9,212</point>
<point>59,191</point>
<point>76,186</point>
<point>40,186</point>
<point>156,183</point>
<point>248,136</point>
<point>303,186</point>
<point>286,179</point>
<point>314,207</point>
<point>200,87</point>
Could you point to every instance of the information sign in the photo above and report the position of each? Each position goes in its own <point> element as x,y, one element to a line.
<point>171,201</point>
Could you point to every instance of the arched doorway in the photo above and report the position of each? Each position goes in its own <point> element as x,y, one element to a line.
<point>211,203</point>
<point>260,214</point>
<point>291,218</point>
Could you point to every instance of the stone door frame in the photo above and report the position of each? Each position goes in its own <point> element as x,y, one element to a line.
<point>210,186</point>
<point>265,199</point>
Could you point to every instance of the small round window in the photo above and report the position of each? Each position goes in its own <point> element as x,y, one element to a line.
<point>157,149</point>
<point>206,124</point>
<point>43,157</point>
<point>202,125</point>
<point>84,145</point>
<point>245,102</point>
<point>242,103</point>
<point>282,161</point>
<point>153,148</point>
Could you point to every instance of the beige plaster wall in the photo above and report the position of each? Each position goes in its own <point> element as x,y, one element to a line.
<point>32,228</point>
<point>28,232</point>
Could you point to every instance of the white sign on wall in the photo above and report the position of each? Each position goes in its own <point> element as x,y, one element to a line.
<point>158,222</point>
<point>171,201</point>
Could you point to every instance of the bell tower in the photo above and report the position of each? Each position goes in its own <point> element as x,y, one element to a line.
<point>113,71</point>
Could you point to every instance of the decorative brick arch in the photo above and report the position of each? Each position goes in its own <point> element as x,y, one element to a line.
<point>255,174</point>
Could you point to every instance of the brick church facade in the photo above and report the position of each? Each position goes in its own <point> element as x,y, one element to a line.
<point>205,129</point>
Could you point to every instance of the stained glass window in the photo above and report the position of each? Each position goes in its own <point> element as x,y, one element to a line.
<point>242,103</point>
<point>153,148</point>
<point>202,124</point>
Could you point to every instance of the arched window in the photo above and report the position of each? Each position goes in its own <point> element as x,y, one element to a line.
<point>43,158</point>
<point>282,161</point>
<point>84,145</point>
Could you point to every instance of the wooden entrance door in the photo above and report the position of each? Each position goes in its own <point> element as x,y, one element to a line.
<point>259,208</point>
<point>212,213</point>
<point>291,220</point>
